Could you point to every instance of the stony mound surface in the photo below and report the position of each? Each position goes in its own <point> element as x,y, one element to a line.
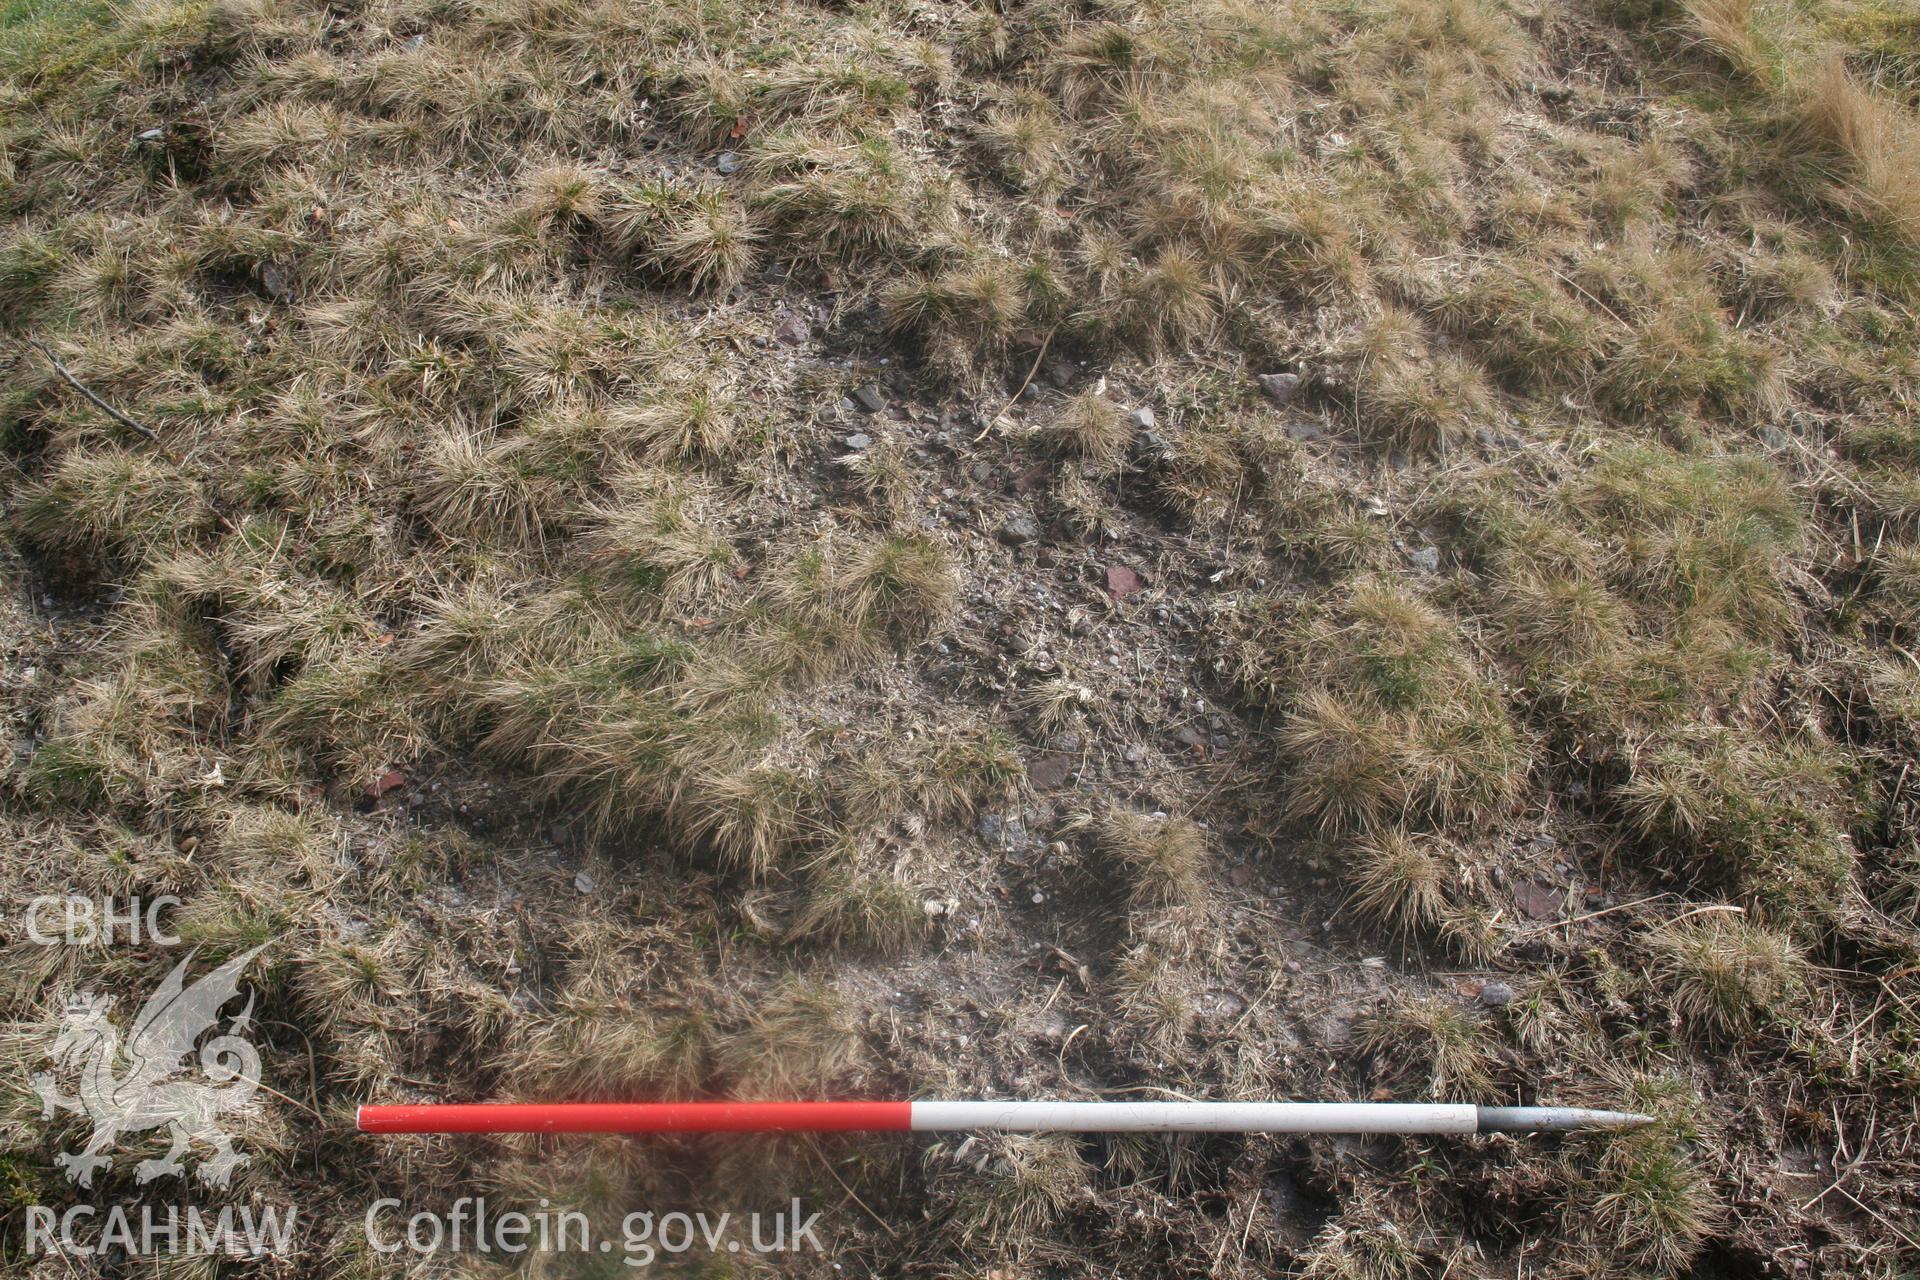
<point>1328,549</point>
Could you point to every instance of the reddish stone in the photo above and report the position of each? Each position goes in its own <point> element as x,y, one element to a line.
<point>1538,901</point>
<point>1050,770</point>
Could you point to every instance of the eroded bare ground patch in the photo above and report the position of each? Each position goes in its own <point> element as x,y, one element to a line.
<point>1327,550</point>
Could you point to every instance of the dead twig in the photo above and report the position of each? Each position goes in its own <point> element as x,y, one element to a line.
<point>67,374</point>
<point>1024,384</point>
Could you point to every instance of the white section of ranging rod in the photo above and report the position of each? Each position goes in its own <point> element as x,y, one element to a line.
<point>1263,1117</point>
<point>1200,1117</point>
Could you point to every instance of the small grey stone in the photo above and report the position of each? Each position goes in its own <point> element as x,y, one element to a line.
<point>1143,419</point>
<point>1306,430</point>
<point>1060,373</point>
<point>1005,830</point>
<point>150,135</point>
<point>727,162</point>
<point>276,279</point>
<point>1018,530</point>
<point>1425,559</point>
<point>870,398</point>
<point>583,882</point>
<point>1496,995</point>
<point>1030,392</point>
<point>1065,742</point>
<point>1280,388</point>
<point>1150,447</point>
<point>859,440</point>
<point>847,405</point>
<point>791,329</point>
<point>1773,437</point>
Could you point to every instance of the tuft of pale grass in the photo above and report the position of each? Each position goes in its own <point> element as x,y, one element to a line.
<point>691,421</point>
<point>1431,1047</point>
<point>1089,426</point>
<point>1409,395</point>
<point>965,314</point>
<point>1896,577</point>
<point>945,776</point>
<point>904,585</point>
<point>1399,879</point>
<point>591,1052</point>
<point>1728,29</point>
<point>1024,1183</point>
<point>836,200</point>
<point>121,506</point>
<point>855,903</point>
<point>661,535</point>
<point>710,243</point>
<point>1362,1244</point>
<point>1391,718</point>
<point>1724,972</point>
<point>751,817</point>
<point>564,193</point>
<point>801,1039</point>
<point>1769,819</point>
<point>1057,704</point>
<point>1554,617</point>
<point>1877,143</point>
<point>1163,856</point>
<point>1646,1201</point>
<point>470,486</point>
<point>1152,995</point>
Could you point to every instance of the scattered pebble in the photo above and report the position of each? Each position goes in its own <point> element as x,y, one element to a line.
<point>1496,995</point>
<point>859,440</point>
<point>727,162</point>
<point>792,330</point>
<point>1280,388</point>
<point>1018,530</point>
<point>870,398</point>
<point>1425,559</point>
<point>1002,829</point>
<point>1050,771</point>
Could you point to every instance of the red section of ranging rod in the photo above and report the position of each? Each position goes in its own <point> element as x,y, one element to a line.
<point>639,1117</point>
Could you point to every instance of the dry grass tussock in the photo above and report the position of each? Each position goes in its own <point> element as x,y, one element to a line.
<point>1877,141</point>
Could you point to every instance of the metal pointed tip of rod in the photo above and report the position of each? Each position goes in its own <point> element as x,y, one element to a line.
<point>1556,1119</point>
